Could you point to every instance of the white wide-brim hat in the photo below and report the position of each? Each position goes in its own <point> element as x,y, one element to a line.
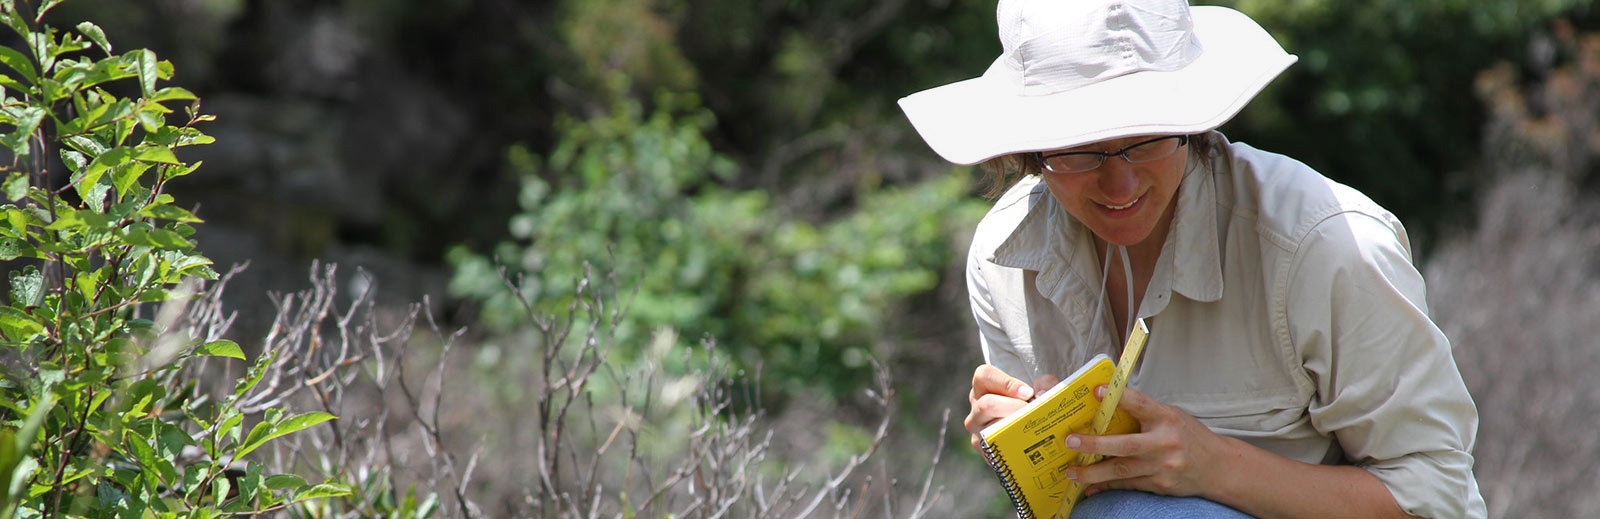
<point>1081,71</point>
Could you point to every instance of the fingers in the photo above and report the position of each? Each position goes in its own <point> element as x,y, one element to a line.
<point>989,379</point>
<point>1111,469</point>
<point>989,408</point>
<point>994,395</point>
<point>1110,445</point>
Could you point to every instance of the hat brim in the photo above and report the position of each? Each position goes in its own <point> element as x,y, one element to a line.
<point>971,121</point>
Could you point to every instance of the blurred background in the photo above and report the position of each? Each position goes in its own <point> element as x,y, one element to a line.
<point>739,171</point>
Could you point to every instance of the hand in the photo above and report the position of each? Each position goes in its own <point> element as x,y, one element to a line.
<point>996,395</point>
<point>1173,454</point>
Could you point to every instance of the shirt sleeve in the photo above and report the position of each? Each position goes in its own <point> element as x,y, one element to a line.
<point>1387,384</point>
<point>998,350</point>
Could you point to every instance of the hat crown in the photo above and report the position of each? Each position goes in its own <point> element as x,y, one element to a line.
<point>1053,46</point>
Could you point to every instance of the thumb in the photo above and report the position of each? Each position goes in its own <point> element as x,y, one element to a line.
<point>1019,388</point>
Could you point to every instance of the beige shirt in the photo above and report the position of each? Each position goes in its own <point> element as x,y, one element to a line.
<point>1284,311</point>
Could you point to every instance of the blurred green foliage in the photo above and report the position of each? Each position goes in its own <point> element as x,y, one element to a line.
<point>1382,97</point>
<point>639,196</point>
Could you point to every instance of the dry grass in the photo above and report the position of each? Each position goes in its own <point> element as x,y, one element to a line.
<point>1519,292</point>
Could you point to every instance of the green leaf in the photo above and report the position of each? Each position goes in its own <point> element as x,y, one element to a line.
<point>16,466</point>
<point>251,483</point>
<point>13,19</point>
<point>111,158</point>
<point>267,431</point>
<point>324,490</point>
<point>73,160</point>
<point>285,481</point>
<point>219,489</point>
<point>258,436</point>
<point>28,119</point>
<point>13,248</point>
<point>158,238</point>
<point>150,120</point>
<point>19,62</point>
<point>27,286</point>
<point>230,427</point>
<point>86,145</point>
<point>125,177</point>
<point>96,35</point>
<point>12,83</point>
<point>18,327</point>
<point>148,71</point>
<point>173,94</point>
<point>160,154</point>
<point>16,186</point>
<point>169,212</point>
<point>170,173</point>
<point>222,348</point>
<point>300,422</point>
<point>94,197</point>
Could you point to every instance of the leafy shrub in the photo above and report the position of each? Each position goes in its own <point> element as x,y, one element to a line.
<point>102,412</point>
<point>641,196</point>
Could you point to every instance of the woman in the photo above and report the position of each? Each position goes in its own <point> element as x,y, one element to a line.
<point>1292,369</point>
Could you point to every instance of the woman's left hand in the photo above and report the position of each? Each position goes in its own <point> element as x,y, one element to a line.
<point>1173,454</point>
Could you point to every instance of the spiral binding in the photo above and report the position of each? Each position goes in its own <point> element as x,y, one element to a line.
<point>1007,480</point>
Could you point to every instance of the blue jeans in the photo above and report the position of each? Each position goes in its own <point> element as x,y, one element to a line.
<point>1129,504</point>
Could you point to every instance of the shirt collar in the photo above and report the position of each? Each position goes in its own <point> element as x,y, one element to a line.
<point>1048,240</point>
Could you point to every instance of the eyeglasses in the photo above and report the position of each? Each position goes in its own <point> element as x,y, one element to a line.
<point>1081,161</point>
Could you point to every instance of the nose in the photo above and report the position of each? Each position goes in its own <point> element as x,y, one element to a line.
<point>1118,180</point>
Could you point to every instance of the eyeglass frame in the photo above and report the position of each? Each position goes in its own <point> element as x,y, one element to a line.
<point>1044,165</point>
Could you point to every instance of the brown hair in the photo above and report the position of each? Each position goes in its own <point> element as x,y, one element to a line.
<point>1001,172</point>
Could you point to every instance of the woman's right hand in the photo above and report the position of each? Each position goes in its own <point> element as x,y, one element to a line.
<point>996,395</point>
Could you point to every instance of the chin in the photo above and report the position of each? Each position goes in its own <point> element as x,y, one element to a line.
<point>1126,238</point>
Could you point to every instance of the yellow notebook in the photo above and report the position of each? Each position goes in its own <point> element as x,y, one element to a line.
<point>1028,448</point>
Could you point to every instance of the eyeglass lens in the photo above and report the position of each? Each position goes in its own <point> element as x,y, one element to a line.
<point>1146,151</point>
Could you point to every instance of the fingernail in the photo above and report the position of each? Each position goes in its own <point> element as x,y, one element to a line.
<point>1100,392</point>
<point>1072,474</point>
<point>1091,491</point>
<point>1073,442</point>
<point>1024,392</point>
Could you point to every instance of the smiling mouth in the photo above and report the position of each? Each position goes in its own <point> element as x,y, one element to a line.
<point>1123,206</point>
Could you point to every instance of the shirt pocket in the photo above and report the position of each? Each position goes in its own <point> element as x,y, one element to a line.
<point>1257,414</point>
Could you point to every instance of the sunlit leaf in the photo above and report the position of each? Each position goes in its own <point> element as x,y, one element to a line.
<point>17,326</point>
<point>222,348</point>
<point>17,61</point>
<point>126,177</point>
<point>324,490</point>
<point>285,481</point>
<point>16,186</point>
<point>160,154</point>
<point>28,119</point>
<point>173,94</point>
<point>261,435</point>
<point>111,158</point>
<point>148,71</point>
<point>300,422</point>
<point>96,35</point>
<point>27,286</point>
<point>169,212</point>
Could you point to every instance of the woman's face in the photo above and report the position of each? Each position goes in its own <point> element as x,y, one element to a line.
<point>1121,202</point>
